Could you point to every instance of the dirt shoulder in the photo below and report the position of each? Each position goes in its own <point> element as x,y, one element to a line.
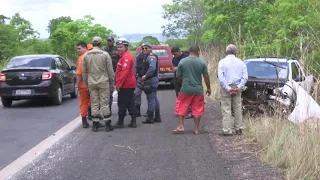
<point>239,152</point>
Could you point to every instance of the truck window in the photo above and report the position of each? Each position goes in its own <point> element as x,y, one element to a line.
<point>295,70</point>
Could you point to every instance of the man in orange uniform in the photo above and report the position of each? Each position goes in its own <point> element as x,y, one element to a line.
<point>89,47</point>
<point>125,84</point>
<point>84,95</point>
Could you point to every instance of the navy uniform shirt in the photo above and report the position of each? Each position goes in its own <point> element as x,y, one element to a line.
<point>176,60</point>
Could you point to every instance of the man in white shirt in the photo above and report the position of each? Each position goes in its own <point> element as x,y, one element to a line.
<point>232,75</point>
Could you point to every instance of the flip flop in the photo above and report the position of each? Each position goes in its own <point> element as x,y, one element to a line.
<point>176,131</point>
<point>196,133</point>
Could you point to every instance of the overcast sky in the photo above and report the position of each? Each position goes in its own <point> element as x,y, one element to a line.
<point>122,16</point>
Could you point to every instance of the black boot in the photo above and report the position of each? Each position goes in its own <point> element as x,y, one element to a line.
<point>138,111</point>
<point>133,123</point>
<point>95,126</point>
<point>157,118</point>
<point>85,124</point>
<point>119,124</point>
<point>89,114</point>
<point>149,119</point>
<point>108,126</point>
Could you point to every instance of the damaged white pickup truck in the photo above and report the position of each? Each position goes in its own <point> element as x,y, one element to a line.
<point>275,85</point>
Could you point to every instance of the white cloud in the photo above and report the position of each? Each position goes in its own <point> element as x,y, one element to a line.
<point>123,17</point>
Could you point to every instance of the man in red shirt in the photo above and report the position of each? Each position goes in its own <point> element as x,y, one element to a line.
<point>125,84</point>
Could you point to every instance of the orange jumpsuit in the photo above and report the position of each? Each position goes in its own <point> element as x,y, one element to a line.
<point>84,95</point>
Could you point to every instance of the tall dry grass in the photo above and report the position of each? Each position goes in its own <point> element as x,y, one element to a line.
<point>290,147</point>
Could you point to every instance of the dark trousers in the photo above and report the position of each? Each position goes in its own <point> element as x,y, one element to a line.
<point>126,101</point>
<point>177,86</point>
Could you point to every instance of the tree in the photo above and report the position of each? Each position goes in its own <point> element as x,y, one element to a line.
<point>9,39</point>
<point>54,23</point>
<point>186,18</point>
<point>152,40</point>
<point>3,18</point>
<point>23,27</point>
<point>68,34</point>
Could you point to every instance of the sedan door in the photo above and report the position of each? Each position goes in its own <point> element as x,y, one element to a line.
<point>62,75</point>
<point>69,76</point>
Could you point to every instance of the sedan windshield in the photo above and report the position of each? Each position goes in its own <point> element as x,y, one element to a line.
<point>265,70</point>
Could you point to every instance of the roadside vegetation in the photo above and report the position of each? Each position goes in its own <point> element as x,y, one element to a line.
<point>280,28</point>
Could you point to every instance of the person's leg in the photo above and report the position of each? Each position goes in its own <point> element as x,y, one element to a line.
<point>237,108</point>
<point>94,96</point>
<point>131,108</point>
<point>226,112</point>
<point>157,117</point>
<point>122,108</point>
<point>84,101</point>
<point>137,93</point>
<point>104,106</point>
<point>151,107</point>
<point>110,101</point>
<point>182,103</point>
<point>197,106</point>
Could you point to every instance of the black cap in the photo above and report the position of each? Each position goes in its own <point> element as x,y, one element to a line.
<point>110,38</point>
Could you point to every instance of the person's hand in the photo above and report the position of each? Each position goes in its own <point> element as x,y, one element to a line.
<point>208,92</point>
<point>144,77</point>
<point>118,89</point>
<point>234,91</point>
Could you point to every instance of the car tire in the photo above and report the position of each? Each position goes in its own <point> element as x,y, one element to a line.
<point>74,94</point>
<point>57,99</point>
<point>6,102</point>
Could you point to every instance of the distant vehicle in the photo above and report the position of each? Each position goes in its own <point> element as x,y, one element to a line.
<point>37,76</point>
<point>166,73</point>
<point>266,75</point>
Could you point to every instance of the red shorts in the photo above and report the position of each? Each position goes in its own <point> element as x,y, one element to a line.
<point>184,101</point>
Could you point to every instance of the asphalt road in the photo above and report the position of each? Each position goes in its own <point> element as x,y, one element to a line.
<point>27,123</point>
<point>147,152</point>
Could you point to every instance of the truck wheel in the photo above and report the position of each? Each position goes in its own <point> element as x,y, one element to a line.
<point>6,102</point>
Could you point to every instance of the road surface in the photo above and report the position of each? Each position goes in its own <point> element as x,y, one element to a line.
<point>27,123</point>
<point>150,151</point>
<point>147,152</point>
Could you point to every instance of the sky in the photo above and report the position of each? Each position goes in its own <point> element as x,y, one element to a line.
<point>121,16</point>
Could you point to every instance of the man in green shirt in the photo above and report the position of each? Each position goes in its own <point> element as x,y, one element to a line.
<point>190,71</point>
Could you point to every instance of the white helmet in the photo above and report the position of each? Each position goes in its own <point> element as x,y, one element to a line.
<point>123,41</point>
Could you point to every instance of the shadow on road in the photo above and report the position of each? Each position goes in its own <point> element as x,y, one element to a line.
<point>37,103</point>
<point>165,87</point>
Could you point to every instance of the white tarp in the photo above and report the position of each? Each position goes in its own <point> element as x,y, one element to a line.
<point>306,107</point>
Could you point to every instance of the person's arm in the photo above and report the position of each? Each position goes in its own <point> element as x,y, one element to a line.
<point>244,77</point>
<point>206,78</point>
<point>85,70</point>
<point>110,70</point>
<point>79,72</point>
<point>152,60</point>
<point>222,79</point>
<point>123,72</point>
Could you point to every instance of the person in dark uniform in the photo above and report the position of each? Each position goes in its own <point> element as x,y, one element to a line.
<point>138,92</point>
<point>178,55</point>
<point>147,81</point>
<point>113,52</point>
<point>125,84</point>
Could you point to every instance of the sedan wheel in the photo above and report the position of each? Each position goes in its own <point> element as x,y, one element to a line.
<point>74,94</point>
<point>57,99</point>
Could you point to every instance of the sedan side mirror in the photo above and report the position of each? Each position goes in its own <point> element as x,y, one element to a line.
<point>73,68</point>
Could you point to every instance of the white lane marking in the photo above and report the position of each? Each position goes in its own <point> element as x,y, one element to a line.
<point>39,149</point>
